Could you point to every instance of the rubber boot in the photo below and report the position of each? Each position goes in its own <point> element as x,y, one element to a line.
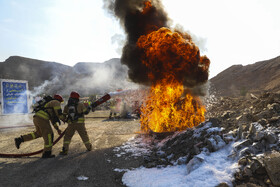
<point>110,116</point>
<point>18,141</point>
<point>89,147</point>
<point>48,154</point>
<point>63,152</point>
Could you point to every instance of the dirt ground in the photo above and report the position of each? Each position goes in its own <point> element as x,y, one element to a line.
<point>98,165</point>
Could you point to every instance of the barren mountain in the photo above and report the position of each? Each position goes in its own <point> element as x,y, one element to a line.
<point>88,77</point>
<point>35,71</point>
<point>238,80</point>
<point>50,77</point>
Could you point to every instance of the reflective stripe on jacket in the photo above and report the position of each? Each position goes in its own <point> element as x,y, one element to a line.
<point>51,109</point>
<point>42,114</point>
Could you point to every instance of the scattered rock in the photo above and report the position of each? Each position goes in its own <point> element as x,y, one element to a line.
<point>194,164</point>
<point>248,185</point>
<point>244,143</point>
<point>226,114</point>
<point>242,161</point>
<point>254,122</point>
<point>272,166</point>
<point>271,138</point>
<point>253,96</point>
<point>223,185</point>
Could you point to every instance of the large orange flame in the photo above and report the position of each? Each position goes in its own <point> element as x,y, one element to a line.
<point>166,111</point>
<point>171,58</point>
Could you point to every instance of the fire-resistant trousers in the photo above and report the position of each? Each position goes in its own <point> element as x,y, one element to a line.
<point>42,129</point>
<point>70,131</point>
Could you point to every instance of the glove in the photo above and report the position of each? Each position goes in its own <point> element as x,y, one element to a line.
<point>63,120</point>
<point>55,125</point>
<point>93,105</point>
<point>59,131</point>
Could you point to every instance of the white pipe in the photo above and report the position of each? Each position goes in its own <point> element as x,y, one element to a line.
<point>114,94</point>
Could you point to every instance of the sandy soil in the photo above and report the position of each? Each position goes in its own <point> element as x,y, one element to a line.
<point>98,165</point>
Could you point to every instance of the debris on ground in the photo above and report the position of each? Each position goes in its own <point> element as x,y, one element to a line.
<point>250,126</point>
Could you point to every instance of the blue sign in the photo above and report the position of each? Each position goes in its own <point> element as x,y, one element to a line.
<point>14,97</point>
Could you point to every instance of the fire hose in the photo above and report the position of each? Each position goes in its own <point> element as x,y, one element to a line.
<point>103,99</point>
<point>33,153</point>
<point>106,97</point>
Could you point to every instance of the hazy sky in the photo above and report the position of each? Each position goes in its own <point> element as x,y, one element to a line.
<point>69,31</point>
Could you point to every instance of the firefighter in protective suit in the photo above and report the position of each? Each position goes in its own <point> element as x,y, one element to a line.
<point>51,112</point>
<point>75,112</point>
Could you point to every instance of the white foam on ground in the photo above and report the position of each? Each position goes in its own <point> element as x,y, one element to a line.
<point>135,146</point>
<point>216,168</point>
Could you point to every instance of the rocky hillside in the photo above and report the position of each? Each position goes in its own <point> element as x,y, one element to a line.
<point>256,78</point>
<point>50,77</point>
<point>35,71</point>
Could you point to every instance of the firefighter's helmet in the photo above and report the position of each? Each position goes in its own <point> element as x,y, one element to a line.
<point>58,97</point>
<point>75,95</point>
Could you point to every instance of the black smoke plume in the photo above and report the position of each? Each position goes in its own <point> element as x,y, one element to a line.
<point>135,24</point>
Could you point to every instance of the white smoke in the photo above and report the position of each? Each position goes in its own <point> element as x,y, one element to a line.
<point>199,41</point>
<point>127,101</point>
<point>43,88</point>
<point>119,41</point>
<point>104,78</point>
<point>88,79</point>
<point>15,120</point>
<point>97,79</point>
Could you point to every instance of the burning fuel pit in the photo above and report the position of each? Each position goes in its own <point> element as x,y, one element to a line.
<point>240,148</point>
<point>164,59</point>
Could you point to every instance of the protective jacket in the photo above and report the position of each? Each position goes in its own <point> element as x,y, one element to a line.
<point>41,120</point>
<point>52,112</point>
<point>76,123</point>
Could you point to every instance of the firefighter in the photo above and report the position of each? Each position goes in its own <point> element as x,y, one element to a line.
<point>51,111</point>
<point>75,111</point>
<point>112,109</point>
